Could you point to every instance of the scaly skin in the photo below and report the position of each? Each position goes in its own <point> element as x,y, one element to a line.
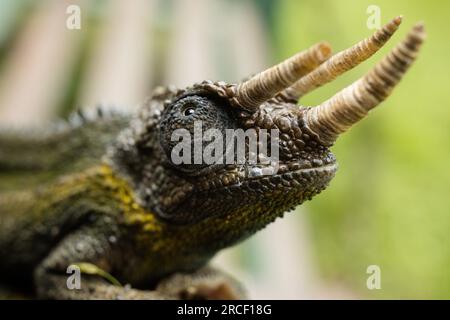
<point>107,196</point>
<point>92,211</point>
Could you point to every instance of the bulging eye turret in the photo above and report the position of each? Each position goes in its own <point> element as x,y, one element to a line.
<point>188,125</point>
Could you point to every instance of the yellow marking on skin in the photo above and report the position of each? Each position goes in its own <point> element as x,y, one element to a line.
<point>133,212</point>
<point>100,184</point>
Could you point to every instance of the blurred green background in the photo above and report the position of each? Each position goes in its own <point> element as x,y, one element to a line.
<point>389,203</point>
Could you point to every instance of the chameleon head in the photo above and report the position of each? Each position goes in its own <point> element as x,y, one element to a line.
<point>254,190</point>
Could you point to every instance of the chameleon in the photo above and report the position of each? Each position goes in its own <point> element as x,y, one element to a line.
<point>103,193</point>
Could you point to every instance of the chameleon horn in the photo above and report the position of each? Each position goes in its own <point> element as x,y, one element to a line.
<point>342,62</point>
<point>265,85</point>
<point>353,103</point>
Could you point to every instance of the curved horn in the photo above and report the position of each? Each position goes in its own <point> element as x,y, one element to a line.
<point>342,62</point>
<point>353,103</point>
<point>265,85</point>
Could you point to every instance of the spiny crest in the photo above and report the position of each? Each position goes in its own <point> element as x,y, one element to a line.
<point>82,116</point>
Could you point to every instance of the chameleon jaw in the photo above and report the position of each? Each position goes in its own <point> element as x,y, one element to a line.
<point>294,174</point>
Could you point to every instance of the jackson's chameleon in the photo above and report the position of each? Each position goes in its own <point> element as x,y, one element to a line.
<point>104,194</point>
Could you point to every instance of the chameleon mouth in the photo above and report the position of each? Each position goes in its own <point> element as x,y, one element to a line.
<point>259,178</point>
<point>288,167</point>
<point>293,176</point>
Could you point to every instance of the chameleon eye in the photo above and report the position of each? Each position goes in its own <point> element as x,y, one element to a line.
<point>188,110</point>
<point>178,129</point>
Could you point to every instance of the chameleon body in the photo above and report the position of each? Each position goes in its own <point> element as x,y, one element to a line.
<point>106,196</point>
